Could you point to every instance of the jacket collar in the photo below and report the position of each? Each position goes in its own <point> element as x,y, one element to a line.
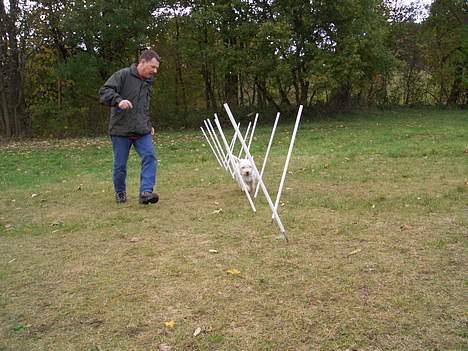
<point>134,72</point>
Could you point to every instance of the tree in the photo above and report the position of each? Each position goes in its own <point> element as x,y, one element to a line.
<point>445,33</point>
<point>14,120</point>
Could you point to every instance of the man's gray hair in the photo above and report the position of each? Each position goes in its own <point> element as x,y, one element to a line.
<point>148,55</point>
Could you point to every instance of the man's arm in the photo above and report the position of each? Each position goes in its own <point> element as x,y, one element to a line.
<point>109,92</point>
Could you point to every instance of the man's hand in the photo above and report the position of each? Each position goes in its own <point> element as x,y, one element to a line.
<point>152,131</point>
<point>125,104</point>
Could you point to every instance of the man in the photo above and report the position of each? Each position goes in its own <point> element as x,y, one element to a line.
<point>128,93</point>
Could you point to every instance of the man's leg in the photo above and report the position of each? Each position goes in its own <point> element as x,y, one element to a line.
<point>121,147</point>
<point>149,164</point>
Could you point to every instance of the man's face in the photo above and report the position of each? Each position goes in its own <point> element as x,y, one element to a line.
<point>147,69</point>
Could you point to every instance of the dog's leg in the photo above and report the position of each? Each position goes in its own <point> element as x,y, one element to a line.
<point>253,186</point>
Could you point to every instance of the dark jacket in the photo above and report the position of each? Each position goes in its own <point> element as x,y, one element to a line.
<point>126,84</point>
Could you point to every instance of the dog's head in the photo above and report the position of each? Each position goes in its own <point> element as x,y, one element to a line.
<point>245,167</point>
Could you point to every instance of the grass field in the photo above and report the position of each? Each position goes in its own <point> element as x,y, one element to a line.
<point>376,210</point>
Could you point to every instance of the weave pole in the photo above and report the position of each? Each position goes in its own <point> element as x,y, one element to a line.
<point>245,136</point>
<point>210,128</point>
<point>262,185</point>
<point>231,159</point>
<point>286,165</point>
<point>233,143</point>
<point>267,152</point>
<point>251,135</point>
<point>218,148</point>
<point>212,149</point>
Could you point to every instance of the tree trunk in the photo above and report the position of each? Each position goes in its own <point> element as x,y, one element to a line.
<point>16,79</point>
<point>261,85</point>
<point>11,83</point>
<point>210,98</point>
<point>456,86</point>
<point>179,78</point>
<point>231,87</point>
<point>408,88</point>
<point>5,116</point>
<point>4,110</point>
<point>241,90</point>
<point>341,99</point>
<point>283,93</point>
<point>301,86</point>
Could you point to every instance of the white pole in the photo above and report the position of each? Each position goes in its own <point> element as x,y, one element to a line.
<point>212,149</point>
<point>262,185</point>
<point>246,135</point>
<point>231,158</point>
<point>233,142</point>
<point>268,151</point>
<point>210,128</point>
<point>215,144</point>
<point>291,146</point>
<point>253,131</point>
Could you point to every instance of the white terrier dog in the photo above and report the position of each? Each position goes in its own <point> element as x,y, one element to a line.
<point>247,173</point>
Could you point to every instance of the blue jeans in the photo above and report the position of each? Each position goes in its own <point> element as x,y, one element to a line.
<point>149,163</point>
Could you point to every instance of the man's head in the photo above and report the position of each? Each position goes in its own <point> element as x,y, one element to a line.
<point>148,64</point>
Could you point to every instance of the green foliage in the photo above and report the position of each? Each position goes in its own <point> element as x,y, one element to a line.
<point>257,56</point>
<point>445,36</point>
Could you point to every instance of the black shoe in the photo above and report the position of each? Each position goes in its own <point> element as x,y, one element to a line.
<point>121,197</point>
<point>147,197</point>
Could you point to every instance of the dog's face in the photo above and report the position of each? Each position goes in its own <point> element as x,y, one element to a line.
<point>245,167</point>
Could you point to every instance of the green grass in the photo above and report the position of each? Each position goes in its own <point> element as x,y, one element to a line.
<point>376,210</point>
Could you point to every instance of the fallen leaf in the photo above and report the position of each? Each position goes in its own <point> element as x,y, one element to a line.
<point>406,227</point>
<point>213,251</point>
<point>354,252</point>
<point>34,195</point>
<point>164,347</point>
<point>170,324</point>
<point>56,223</point>
<point>233,271</point>
<point>197,331</point>
<point>134,240</point>
<point>217,211</point>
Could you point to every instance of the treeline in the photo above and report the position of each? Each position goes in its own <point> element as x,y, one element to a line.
<point>264,55</point>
